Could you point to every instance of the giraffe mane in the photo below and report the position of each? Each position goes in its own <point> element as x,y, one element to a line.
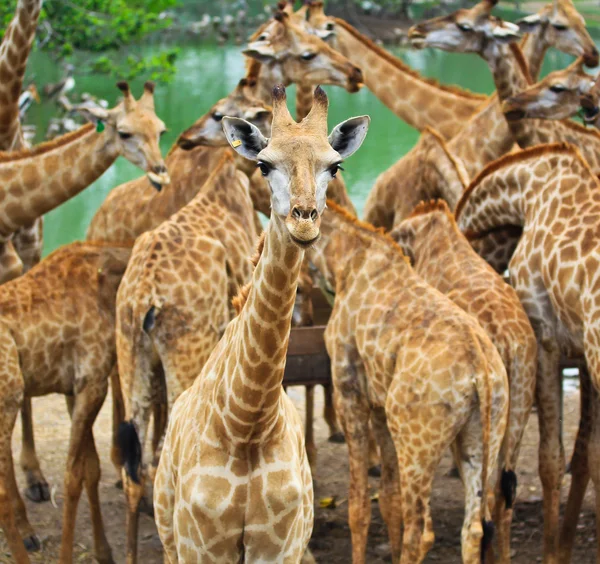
<point>437,136</point>
<point>431,206</point>
<point>522,62</point>
<point>405,68</point>
<point>42,148</point>
<point>512,158</point>
<point>240,300</point>
<point>367,231</point>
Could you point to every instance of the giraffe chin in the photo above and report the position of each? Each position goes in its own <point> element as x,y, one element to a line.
<point>304,244</point>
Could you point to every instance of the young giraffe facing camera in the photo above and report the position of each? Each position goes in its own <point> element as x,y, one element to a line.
<point>234,437</point>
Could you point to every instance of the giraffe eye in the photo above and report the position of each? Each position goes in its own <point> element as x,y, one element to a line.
<point>308,56</point>
<point>265,168</point>
<point>217,116</point>
<point>124,135</point>
<point>464,27</point>
<point>558,88</point>
<point>559,27</point>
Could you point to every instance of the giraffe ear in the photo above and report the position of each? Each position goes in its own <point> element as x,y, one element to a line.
<point>244,137</point>
<point>261,51</point>
<point>94,115</point>
<point>529,23</point>
<point>506,32</point>
<point>348,136</point>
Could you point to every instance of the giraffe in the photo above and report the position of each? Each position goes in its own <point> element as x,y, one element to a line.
<point>477,31</point>
<point>425,374</point>
<point>133,207</point>
<point>486,136</point>
<point>25,249</point>
<point>172,308</point>
<point>443,257</point>
<point>557,96</point>
<point>35,181</point>
<point>14,52</point>
<point>57,336</point>
<point>425,103</point>
<point>552,193</point>
<point>402,89</point>
<point>236,418</point>
<point>428,170</point>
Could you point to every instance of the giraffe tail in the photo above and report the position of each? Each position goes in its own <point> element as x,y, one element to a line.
<point>484,392</point>
<point>131,449</point>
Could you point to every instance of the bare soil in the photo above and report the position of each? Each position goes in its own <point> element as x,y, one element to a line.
<point>331,537</point>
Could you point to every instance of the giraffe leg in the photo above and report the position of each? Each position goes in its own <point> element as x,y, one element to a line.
<point>353,409</point>
<point>13,518</point>
<point>335,434</point>
<point>102,551</point>
<point>580,473</point>
<point>37,487</point>
<point>521,377</point>
<point>390,500</point>
<point>83,464</point>
<point>551,452</point>
<point>118,416</point>
<point>309,437</point>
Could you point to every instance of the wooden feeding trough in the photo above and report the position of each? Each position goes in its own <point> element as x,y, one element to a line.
<point>307,359</point>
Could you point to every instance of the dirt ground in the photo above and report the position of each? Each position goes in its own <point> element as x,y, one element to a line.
<point>331,537</point>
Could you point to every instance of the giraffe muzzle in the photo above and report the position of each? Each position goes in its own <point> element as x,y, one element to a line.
<point>159,177</point>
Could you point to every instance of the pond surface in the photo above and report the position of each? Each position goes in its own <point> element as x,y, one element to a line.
<point>207,73</point>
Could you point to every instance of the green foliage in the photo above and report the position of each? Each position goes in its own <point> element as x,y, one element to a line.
<point>160,67</point>
<point>101,26</point>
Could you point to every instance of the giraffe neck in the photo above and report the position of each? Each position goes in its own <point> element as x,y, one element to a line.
<point>534,47</point>
<point>403,90</point>
<point>267,77</point>
<point>261,338</point>
<point>501,194</point>
<point>512,192</point>
<point>14,51</point>
<point>35,182</point>
<point>442,172</point>
<point>304,99</point>
<point>225,186</point>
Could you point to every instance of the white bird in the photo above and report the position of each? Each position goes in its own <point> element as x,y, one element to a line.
<point>26,99</point>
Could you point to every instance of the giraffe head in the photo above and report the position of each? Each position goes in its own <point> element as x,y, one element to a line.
<point>557,96</point>
<point>465,31</point>
<point>133,130</point>
<point>563,27</point>
<point>241,103</point>
<point>321,24</point>
<point>299,160</point>
<point>300,56</point>
<point>590,104</point>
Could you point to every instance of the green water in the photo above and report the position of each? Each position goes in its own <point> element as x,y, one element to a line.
<point>207,73</point>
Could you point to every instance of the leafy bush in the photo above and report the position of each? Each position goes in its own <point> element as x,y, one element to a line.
<point>100,26</point>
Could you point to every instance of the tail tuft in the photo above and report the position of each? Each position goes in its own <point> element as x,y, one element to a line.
<point>149,319</point>
<point>131,450</point>
<point>488,536</point>
<point>508,486</point>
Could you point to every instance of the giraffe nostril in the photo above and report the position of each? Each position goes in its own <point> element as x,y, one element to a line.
<point>296,213</point>
<point>314,215</point>
<point>160,169</point>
